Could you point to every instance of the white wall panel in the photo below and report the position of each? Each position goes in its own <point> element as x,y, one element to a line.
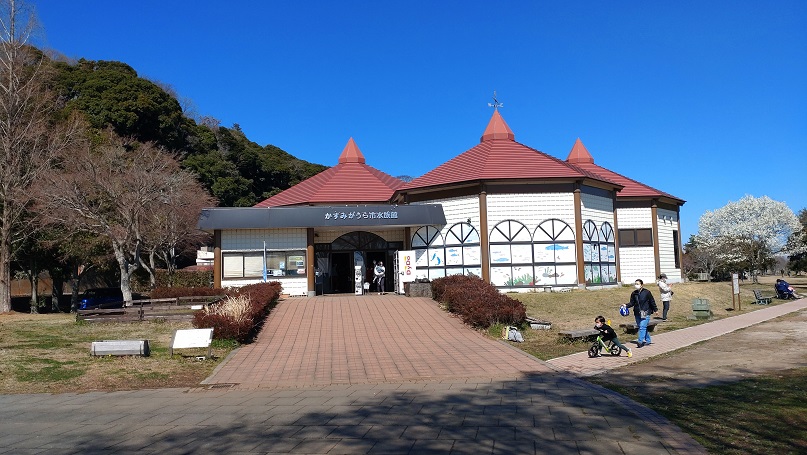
<point>530,209</point>
<point>637,262</point>
<point>634,218</point>
<point>291,286</point>
<point>597,208</point>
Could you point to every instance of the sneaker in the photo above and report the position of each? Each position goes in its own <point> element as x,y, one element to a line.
<point>639,345</point>
<point>630,354</point>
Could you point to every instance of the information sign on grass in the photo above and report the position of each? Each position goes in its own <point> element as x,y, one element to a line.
<point>191,338</point>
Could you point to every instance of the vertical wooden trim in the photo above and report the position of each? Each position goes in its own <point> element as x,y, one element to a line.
<point>578,236</point>
<point>218,264</point>
<point>654,217</point>
<point>407,239</point>
<point>680,245</point>
<point>484,235</point>
<point>310,261</point>
<point>616,243</point>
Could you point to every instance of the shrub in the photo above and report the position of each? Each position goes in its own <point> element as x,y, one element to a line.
<point>184,278</point>
<point>478,303</point>
<point>241,313</point>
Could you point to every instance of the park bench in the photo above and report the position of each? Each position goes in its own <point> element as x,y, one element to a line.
<point>761,300</point>
<point>631,327</point>
<point>580,334</point>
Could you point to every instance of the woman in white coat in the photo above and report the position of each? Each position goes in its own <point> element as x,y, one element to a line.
<point>666,295</point>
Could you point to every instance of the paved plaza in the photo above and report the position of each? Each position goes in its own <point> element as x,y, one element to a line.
<point>368,375</point>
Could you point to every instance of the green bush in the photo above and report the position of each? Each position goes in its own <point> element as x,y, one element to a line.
<point>184,278</point>
<point>477,303</point>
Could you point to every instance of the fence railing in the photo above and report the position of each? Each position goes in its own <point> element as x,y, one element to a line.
<point>176,308</point>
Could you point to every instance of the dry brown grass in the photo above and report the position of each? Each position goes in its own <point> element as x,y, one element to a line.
<point>51,353</point>
<point>578,308</point>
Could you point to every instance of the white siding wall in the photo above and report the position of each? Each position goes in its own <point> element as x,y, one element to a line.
<point>598,209</point>
<point>393,235</point>
<point>530,209</point>
<point>458,210</point>
<point>252,239</point>
<point>636,262</point>
<point>666,245</point>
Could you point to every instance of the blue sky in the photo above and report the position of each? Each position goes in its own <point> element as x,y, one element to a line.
<point>705,100</point>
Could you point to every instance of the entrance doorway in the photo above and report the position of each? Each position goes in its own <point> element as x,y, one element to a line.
<point>337,260</point>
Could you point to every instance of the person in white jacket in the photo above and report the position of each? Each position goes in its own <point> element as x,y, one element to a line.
<point>666,295</point>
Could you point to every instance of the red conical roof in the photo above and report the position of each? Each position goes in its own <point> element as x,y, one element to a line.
<point>579,154</point>
<point>349,182</point>
<point>497,129</point>
<point>498,157</point>
<point>580,157</point>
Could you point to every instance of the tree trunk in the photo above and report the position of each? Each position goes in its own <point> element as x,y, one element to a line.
<point>5,273</point>
<point>75,281</point>
<point>57,285</point>
<point>126,270</point>
<point>33,278</point>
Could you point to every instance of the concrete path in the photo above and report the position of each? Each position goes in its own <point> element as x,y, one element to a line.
<point>580,365</point>
<point>374,400</point>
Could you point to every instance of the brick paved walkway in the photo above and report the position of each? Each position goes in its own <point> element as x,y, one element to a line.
<point>363,339</point>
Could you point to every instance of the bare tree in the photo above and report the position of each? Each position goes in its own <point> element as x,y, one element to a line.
<point>170,228</point>
<point>113,187</point>
<point>29,138</point>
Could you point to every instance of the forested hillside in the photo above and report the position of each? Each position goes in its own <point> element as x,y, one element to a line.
<point>236,171</point>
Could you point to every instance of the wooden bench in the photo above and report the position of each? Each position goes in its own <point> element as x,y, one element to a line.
<point>581,334</point>
<point>761,300</point>
<point>631,327</point>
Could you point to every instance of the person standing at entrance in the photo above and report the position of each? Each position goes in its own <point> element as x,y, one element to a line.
<point>644,305</point>
<point>666,293</point>
<point>380,272</point>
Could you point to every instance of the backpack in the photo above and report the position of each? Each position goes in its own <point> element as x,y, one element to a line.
<point>514,335</point>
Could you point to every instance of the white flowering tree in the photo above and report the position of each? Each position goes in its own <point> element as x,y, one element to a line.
<point>751,230</point>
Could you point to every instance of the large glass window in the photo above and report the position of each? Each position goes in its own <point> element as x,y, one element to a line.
<point>635,237</point>
<point>555,257</point>
<point>462,250</point>
<point>599,253</point>
<point>429,252</point>
<point>251,264</point>
<point>511,260</point>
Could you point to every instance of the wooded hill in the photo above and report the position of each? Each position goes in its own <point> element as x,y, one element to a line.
<point>235,170</point>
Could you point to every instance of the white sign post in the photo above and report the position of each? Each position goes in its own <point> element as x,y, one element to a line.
<point>406,269</point>
<point>191,338</point>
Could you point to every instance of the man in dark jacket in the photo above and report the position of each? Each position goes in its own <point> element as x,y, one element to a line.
<point>644,305</point>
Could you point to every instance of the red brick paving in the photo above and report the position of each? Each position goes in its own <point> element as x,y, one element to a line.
<point>363,339</point>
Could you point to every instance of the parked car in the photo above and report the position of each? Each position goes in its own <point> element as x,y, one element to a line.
<point>101,298</point>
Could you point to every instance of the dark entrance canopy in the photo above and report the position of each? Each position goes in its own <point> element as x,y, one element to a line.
<point>321,216</point>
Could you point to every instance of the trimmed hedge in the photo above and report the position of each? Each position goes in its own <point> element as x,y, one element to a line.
<point>170,293</point>
<point>241,325</point>
<point>184,278</point>
<point>476,302</point>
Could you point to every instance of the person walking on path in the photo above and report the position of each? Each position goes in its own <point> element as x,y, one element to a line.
<point>608,333</point>
<point>644,305</point>
<point>380,273</point>
<point>666,295</point>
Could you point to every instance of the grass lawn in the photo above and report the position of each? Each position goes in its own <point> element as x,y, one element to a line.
<point>761,415</point>
<point>51,353</point>
<point>578,308</point>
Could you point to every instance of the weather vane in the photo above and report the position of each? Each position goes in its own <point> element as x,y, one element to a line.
<point>495,104</point>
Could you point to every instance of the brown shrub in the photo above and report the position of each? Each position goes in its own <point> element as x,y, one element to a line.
<point>242,313</point>
<point>478,303</point>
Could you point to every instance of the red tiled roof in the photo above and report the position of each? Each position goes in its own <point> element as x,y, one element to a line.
<point>349,182</point>
<point>580,157</point>
<point>499,156</point>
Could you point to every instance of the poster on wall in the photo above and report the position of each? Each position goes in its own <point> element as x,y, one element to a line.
<point>522,276</point>
<point>500,254</point>
<point>473,255</point>
<point>521,254</point>
<point>587,252</point>
<point>554,252</point>
<point>604,253</point>
<point>422,258</point>
<point>545,274</point>
<point>566,274</point>
<point>611,254</point>
<point>499,276</point>
<point>436,258</point>
<point>453,255</point>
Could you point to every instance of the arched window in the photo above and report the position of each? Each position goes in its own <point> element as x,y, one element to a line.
<point>462,250</point>
<point>599,256</point>
<point>429,252</point>
<point>554,252</point>
<point>511,260</point>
